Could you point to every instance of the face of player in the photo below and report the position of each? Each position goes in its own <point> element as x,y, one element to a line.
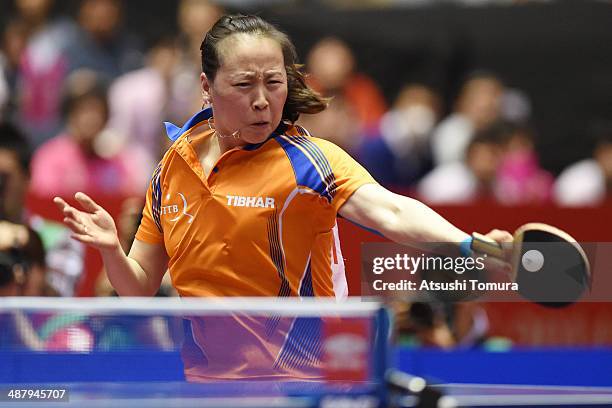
<point>249,90</point>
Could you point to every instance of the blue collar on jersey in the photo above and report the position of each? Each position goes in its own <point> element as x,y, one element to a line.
<point>174,132</point>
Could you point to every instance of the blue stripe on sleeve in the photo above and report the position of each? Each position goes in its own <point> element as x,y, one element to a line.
<point>305,171</point>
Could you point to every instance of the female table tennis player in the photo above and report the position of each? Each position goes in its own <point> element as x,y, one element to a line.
<point>245,203</point>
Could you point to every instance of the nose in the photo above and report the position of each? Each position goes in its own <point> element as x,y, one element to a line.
<point>261,101</point>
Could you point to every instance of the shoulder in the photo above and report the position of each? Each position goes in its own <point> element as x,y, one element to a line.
<point>585,168</point>
<point>454,171</point>
<point>301,136</point>
<point>580,175</point>
<point>453,124</point>
<point>447,183</point>
<point>178,146</point>
<point>320,152</point>
<point>178,155</point>
<point>581,183</point>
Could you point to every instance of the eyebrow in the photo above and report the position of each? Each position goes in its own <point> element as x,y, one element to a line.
<point>250,74</point>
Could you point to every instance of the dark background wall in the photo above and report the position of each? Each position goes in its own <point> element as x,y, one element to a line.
<point>559,53</point>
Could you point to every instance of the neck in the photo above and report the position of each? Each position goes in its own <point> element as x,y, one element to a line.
<point>228,143</point>
<point>225,140</point>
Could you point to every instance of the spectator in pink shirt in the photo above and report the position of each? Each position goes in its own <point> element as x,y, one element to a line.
<point>520,178</point>
<point>75,160</point>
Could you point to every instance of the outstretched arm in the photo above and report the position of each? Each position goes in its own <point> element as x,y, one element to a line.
<point>403,219</point>
<point>137,274</point>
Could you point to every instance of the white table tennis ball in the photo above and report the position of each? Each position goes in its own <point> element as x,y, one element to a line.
<point>532,260</point>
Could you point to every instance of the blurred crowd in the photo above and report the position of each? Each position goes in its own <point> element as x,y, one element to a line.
<point>83,101</point>
<point>91,98</point>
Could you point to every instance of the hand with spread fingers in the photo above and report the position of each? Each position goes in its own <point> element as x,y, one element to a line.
<point>93,225</point>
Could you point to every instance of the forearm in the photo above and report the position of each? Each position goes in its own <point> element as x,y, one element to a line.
<point>125,274</point>
<point>405,220</point>
<point>399,218</point>
<point>411,222</point>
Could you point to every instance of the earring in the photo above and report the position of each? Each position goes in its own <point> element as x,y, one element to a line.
<point>206,100</point>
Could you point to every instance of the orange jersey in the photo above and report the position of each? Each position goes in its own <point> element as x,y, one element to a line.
<point>262,223</point>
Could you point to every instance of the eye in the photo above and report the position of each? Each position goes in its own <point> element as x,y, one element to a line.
<point>242,84</point>
<point>275,82</point>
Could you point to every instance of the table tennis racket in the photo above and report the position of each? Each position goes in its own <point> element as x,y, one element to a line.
<point>548,265</point>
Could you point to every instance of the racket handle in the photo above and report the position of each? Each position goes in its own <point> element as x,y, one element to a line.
<point>486,245</point>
